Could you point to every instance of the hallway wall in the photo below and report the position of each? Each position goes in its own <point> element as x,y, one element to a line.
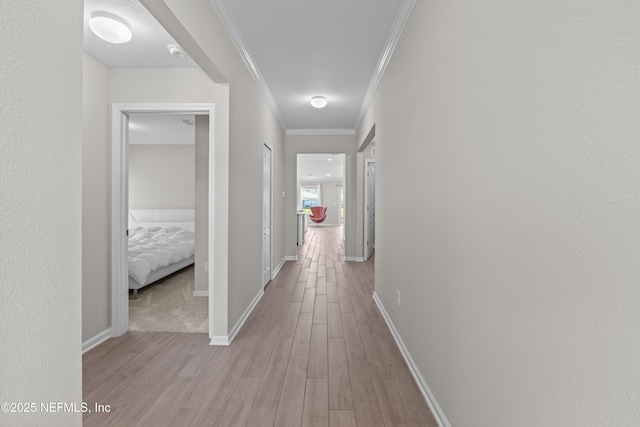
<point>96,239</point>
<point>509,132</point>
<point>40,209</point>
<point>251,124</point>
<point>104,86</point>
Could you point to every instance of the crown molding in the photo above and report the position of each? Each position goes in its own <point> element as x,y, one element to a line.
<point>238,41</point>
<point>394,36</point>
<point>320,132</point>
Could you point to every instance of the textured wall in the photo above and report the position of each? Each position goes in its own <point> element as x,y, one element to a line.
<point>40,208</point>
<point>516,124</point>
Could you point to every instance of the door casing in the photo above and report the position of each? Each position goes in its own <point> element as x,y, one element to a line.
<point>267,213</point>
<point>369,190</point>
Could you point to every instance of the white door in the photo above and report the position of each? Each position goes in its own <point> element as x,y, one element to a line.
<point>266,215</point>
<point>370,207</point>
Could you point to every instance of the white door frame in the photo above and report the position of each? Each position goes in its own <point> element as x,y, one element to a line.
<point>367,182</point>
<point>119,204</point>
<point>268,146</point>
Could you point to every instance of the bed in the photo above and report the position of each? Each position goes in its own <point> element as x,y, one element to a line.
<point>161,242</point>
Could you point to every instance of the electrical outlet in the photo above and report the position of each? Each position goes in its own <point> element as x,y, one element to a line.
<point>206,266</point>
<point>398,300</point>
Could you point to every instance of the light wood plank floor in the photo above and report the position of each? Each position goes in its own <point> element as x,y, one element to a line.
<point>314,352</point>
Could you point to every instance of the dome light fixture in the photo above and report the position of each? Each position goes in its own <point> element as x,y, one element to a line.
<point>318,102</point>
<point>110,27</point>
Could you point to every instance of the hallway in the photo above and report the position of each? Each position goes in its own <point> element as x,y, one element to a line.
<point>315,351</point>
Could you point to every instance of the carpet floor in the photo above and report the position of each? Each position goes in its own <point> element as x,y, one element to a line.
<point>168,305</point>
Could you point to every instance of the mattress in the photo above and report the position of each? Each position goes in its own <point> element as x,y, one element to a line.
<point>161,273</point>
<point>153,248</point>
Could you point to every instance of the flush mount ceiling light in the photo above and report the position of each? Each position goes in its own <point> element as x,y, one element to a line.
<point>110,27</point>
<point>318,102</point>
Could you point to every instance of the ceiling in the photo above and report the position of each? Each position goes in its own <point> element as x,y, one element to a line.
<point>162,129</point>
<point>301,48</point>
<point>320,167</point>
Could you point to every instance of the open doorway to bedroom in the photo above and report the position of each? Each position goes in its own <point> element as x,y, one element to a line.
<point>167,292</point>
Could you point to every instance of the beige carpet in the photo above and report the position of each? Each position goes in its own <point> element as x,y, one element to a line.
<point>169,305</point>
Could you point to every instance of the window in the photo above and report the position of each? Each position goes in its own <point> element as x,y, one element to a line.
<point>310,196</point>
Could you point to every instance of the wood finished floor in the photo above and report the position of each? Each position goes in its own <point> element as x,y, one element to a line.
<point>314,352</point>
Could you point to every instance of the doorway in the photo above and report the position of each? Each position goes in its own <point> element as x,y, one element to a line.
<point>369,207</point>
<point>119,205</point>
<point>321,183</point>
<point>168,202</point>
<point>267,186</point>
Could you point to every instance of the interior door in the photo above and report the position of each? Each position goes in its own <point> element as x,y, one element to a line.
<point>370,208</point>
<point>266,215</point>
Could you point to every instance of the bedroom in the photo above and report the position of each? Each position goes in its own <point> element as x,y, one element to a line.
<point>165,192</point>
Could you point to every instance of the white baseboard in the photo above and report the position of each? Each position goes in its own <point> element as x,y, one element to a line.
<point>96,341</point>
<point>200,293</point>
<point>219,340</point>
<point>277,269</point>
<point>291,258</point>
<point>226,340</point>
<point>441,419</point>
<point>354,259</point>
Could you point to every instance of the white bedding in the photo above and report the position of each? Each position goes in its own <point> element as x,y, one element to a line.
<point>156,247</point>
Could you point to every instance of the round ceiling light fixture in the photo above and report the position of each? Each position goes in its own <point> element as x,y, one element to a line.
<point>110,27</point>
<point>318,102</point>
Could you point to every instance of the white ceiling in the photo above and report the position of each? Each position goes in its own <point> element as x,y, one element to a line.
<point>320,167</point>
<point>301,48</point>
<point>162,129</point>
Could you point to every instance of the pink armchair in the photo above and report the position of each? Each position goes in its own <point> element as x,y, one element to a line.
<point>318,214</point>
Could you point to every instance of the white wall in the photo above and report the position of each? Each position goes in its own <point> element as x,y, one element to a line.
<point>96,272</point>
<point>162,176</point>
<point>148,85</point>
<point>41,211</point>
<point>134,86</point>
<point>517,126</point>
